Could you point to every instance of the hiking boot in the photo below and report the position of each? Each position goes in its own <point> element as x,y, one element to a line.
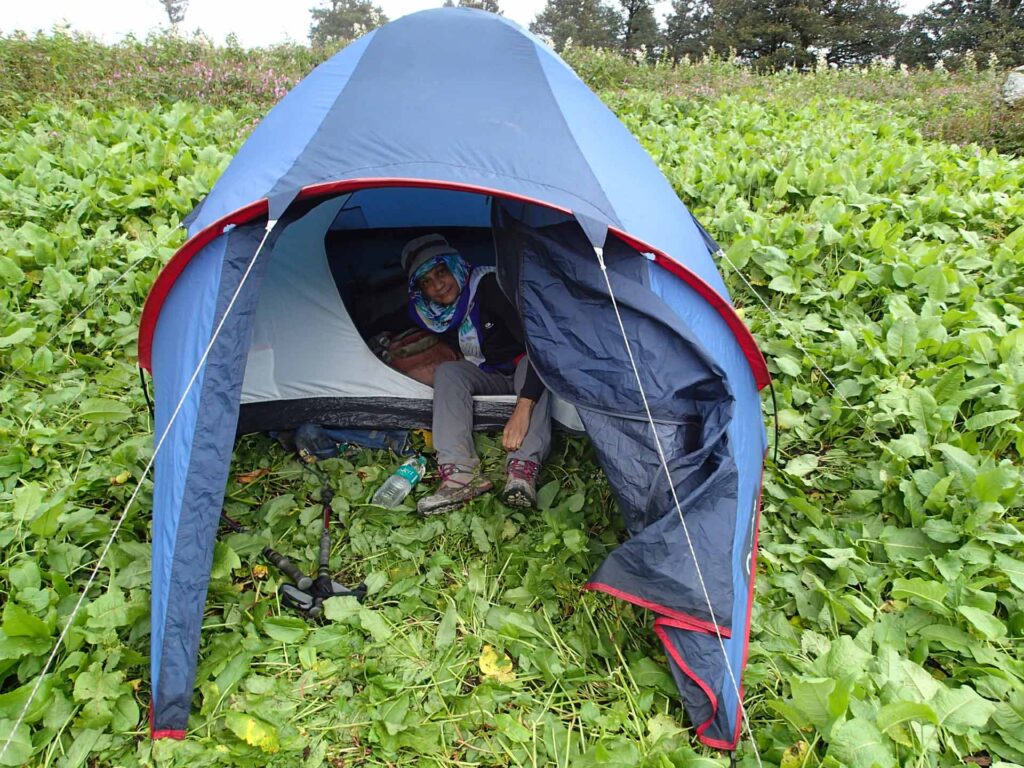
<point>521,486</point>
<point>458,485</point>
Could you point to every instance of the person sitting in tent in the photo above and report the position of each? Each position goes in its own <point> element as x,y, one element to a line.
<point>465,305</point>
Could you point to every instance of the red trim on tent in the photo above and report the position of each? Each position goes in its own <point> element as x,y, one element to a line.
<point>674,618</point>
<point>179,735</point>
<point>163,734</point>
<point>165,280</point>
<point>678,659</point>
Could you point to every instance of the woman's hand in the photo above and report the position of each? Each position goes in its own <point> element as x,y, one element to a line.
<point>518,425</point>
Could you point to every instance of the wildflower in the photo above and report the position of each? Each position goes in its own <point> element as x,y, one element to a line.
<point>821,61</point>
<point>685,61</point>
<point>970,64</point>
<point>904,69</point>
<point>568,43</point>
<point>993,60</point>
<point>939,66</point>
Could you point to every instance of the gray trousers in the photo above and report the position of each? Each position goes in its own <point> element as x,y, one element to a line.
<point>455,383</point>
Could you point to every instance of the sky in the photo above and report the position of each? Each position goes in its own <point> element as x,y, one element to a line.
<point>254,22</point>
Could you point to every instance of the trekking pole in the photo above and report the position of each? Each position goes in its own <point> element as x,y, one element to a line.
<point>279,561</point>
<point>288,568</point>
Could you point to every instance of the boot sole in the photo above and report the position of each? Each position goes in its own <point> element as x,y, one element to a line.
<point>517,499</point>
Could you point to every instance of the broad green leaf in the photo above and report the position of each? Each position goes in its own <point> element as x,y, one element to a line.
<point>446,630</point>
<point>18,622</point>
<point>20,335</point>
<point>109,610</point>
<point>373,622</point>
<point>811,699</point>
<point>959,459</point>
<point>662,727</point>
<point>341,608</point>
<point>10,273</point>
<point>1012,567</point>
<point>25,575</point>
<point>547,494</point>
<point>285,629</point>
<point>103,410</point>
<point>987,624</point>
<point>801,466</point>
<point>908,544</point>
<point>12,703</point>
<point>16,743</point>
<point>908,446</point>
<point>902,711</point>
<point>375,582</point>
<point>857,743</point>
<point>225,560</point>
<point>961,709</point>
<point>992,484</point>
<point>929,594</point>
<point>991,418</point>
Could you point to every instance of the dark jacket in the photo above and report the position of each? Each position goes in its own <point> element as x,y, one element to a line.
<point>498,327</point>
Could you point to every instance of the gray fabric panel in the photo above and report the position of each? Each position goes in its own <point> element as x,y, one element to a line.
<point>206,482</point>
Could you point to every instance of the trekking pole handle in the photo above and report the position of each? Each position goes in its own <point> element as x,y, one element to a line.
<point>283,564</point>
<point>325,554</point>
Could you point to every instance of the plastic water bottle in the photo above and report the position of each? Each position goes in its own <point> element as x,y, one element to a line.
<point>397,487</point>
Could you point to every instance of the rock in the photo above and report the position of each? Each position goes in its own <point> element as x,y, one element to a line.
<point>1013,88</point>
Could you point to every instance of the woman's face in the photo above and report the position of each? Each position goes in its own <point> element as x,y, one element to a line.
<point>440,286</point>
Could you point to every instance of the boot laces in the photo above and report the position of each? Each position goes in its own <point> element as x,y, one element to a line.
<point>523,469</point>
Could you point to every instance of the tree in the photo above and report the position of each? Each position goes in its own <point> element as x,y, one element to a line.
<point>587,22</point>
<point>344,20</point>
<point>640,29</point>
<point>688,28</point>
<point>861,31</point>
<point>175,10</point>
<point>767,34</point>
<point>947,30</point>
<point>483,5</point>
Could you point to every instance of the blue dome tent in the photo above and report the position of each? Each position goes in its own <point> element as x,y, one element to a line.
<point>458,121</point>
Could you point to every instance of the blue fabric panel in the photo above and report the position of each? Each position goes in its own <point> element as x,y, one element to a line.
<point>576,346</point>
<point>403,207</point>
<point>748,440</point>
<point>644,201</point>
<point>279,138</point>
<point>181,335</point>
<point>205,483</point>
<point>561,287</point>
<point>452,95</point>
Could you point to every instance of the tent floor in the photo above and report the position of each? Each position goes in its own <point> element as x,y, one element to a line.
<point>363,413</point>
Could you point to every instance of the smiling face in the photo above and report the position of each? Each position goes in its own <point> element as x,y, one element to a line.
<point>439,285</point>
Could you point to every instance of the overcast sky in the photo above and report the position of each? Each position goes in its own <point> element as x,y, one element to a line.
<point>254,22</point>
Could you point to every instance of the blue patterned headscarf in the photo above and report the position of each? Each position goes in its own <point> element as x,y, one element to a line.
<point>440,317</point>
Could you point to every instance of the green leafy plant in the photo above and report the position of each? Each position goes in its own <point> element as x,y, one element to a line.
<point>881,272</point>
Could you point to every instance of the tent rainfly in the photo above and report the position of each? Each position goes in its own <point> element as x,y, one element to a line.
<point>458,121</point>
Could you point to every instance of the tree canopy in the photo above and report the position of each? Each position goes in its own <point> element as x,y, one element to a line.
<point>338,20</point>
<point>587,22</point>
<point>950,29</point>
<point>175,10</point>
<point>483,5</point>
